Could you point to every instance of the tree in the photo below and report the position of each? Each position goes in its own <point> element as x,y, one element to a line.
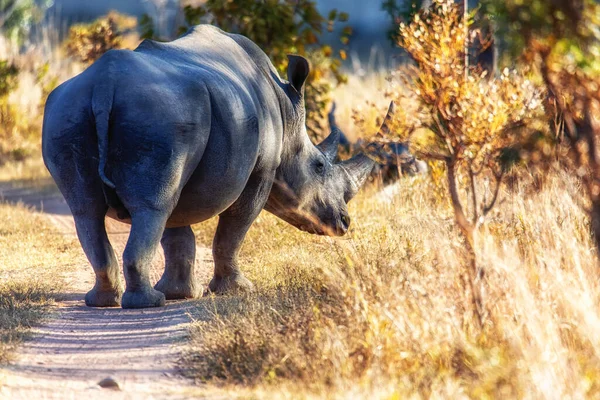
<point>461,118</point>
<point>483,49</point>
<point>87,42</point>
<point>18,16</point>
<point>561,40</point>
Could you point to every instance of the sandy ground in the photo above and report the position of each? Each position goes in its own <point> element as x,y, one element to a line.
<point>77,347</point>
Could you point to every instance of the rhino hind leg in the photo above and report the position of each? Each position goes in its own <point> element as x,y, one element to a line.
<point>231,231</point>
<point>178,281</point>
<point>146,229</point>
<point>107,290</point>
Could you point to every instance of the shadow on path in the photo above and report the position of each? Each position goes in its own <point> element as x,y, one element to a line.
<point>91,343</point>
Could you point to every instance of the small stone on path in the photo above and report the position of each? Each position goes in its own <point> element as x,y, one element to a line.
<point>109,383</point>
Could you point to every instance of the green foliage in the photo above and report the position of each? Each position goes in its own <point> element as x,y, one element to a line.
<point>47,81</point>
<point>8,77</point>
<point>19,127</point>
<point>282,27</point>
<point>87,42</point>
<point>572,23</point>
<point>18,16</point>
<point>561,41</point>
<point>146,27</point>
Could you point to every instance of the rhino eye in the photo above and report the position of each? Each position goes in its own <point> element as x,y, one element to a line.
<point>319,167</point>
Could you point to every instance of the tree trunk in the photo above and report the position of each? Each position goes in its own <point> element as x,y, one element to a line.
<point>595,223</point>
<point>467,229</point>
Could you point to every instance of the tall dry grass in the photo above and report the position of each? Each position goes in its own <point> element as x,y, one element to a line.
<point>383,312</point>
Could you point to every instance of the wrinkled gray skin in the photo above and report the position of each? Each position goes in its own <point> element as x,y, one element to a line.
<point>172,134</point>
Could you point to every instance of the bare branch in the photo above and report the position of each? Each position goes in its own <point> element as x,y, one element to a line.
<point>487,208</point>
<point>473,195</point>
<point>433,156</point>
<point>459,215</point>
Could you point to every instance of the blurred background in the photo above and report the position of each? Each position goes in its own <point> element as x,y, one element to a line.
<point>369,21</point>
<point>352,45</point>
<point>45,42</point>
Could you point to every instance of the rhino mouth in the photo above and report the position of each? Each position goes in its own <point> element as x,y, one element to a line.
<point>312,229</point>
<point>304,222</point>
<point>315,226</point>
<point>288,209</point>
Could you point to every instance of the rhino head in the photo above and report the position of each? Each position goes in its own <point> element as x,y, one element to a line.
<point>311,188</point>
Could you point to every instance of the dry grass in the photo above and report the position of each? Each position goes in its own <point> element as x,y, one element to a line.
<point>380,313</point>
<point>365,95</point>
<point>30,251</point>
<point>383,312</point>
<point>31,169</point>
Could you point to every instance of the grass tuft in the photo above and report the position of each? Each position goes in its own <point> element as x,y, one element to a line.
<point>22,305</point>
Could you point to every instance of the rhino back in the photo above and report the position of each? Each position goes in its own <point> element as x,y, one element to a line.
<point>199,108</point>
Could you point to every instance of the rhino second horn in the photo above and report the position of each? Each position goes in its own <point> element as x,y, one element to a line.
<point>385,128</point>
<point>358,169</point>
<point>329,146</point>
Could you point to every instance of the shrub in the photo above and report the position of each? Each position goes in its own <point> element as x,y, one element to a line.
<point>561,39</point>
<point>9,74</point>
<point>18,16</point>
<point>20,124</point>
<point>468,118</point>
<point>87,42</point>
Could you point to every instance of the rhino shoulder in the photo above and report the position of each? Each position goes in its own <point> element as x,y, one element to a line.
<point>253,51</point>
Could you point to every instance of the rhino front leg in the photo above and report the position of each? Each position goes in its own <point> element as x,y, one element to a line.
<point>178,281</point>
<point>146,230</point>
<point>226,246</point>
<point>92,234</point>
<point>231,231</point>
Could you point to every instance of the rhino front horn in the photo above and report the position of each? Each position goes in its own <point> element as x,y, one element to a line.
<point>358,169</point>
<point>329,146</point>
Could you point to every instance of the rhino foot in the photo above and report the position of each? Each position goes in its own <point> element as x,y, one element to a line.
<point>177,289</point>
<point>97,298</point>
<point>229,284</point>
<point>142,298</point>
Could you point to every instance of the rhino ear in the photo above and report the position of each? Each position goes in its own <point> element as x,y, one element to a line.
<point>329,146</point>
<point>298,69</point>
<point>358,169</point>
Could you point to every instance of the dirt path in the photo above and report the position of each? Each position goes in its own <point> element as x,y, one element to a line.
<point>79,346</point>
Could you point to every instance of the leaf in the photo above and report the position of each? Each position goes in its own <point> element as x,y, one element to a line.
<point>332,15</point>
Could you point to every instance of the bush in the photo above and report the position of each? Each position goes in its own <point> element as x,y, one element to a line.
<point>18,16</point>
<point>9,80</point>
<point>87,42</point>
<point>464,119</point>
<point>20,125</point>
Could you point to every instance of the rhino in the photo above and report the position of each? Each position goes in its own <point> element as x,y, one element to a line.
<point>172,134</point>
<point>394,158</point>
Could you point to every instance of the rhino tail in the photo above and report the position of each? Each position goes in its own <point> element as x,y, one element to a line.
<point>102,99</point>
